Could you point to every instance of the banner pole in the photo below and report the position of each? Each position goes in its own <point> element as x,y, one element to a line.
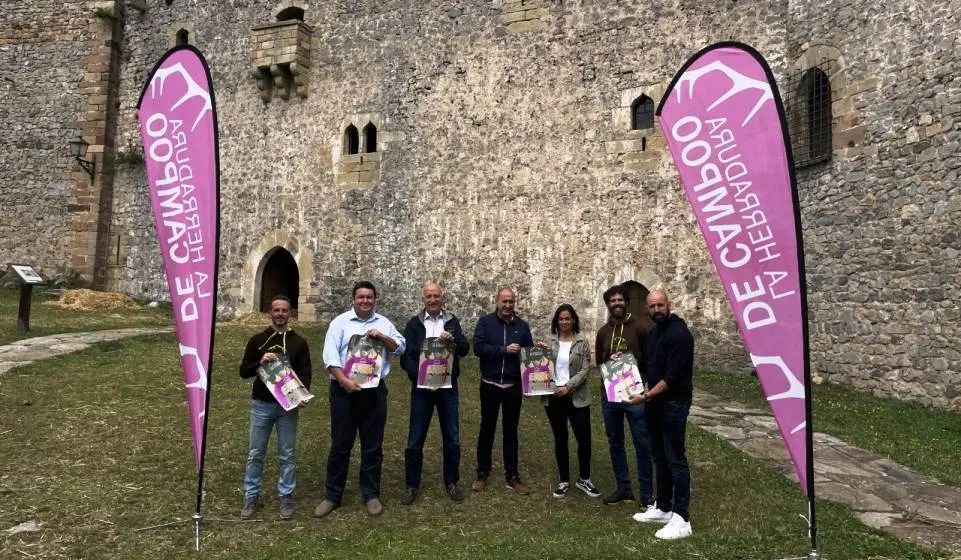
<point>197,518</point>
<point>805,328</point>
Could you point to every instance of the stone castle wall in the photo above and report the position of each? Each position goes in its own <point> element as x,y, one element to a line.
<point>882,219</point>
<point>502,155</point>
<point>42,50</point>
<point>505,157</point>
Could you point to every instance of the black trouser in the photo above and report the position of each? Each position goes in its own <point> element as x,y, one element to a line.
<point>667,422</point>
<point>559,412</point>
<point>363,412</point>
<point>492,398</point>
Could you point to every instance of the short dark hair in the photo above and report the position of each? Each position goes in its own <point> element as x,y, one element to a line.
<point>282,298</point>
<point>555,327</point>
<point>363,285</point>
<point>616,289</point>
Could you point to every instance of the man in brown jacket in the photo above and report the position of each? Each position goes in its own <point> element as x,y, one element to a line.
<point>625,333</point>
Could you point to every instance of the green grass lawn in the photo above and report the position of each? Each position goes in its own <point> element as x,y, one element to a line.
<point>923,438</point>
<point>94,457</point>
<point>46,320</point>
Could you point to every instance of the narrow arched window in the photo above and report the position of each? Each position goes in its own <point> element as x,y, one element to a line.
<point>816,91</point>
<point>642,113</point>
<point>291,13</point>
<point>370,138</point>
<point>351,140</point>
<point>183,37</point>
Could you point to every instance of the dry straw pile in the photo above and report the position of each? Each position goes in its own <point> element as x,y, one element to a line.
<point>90,300</point>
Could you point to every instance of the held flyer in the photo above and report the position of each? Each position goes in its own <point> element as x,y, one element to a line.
<point>283,383</point>
<point>622,378</point>
<point>436,362</point>
<point>365,361</point>
<point>537,371</point>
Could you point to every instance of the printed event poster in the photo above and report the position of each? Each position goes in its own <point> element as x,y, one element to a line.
<point>537,371</point>
<point>283,383</point>
<point>622,378</point>
<point>364,361</point>
<point>436,361</point>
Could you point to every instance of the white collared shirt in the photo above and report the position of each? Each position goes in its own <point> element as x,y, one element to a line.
<point>433,325</point>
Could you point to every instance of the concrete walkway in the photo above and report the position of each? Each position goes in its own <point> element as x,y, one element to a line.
<point>883,494</point>
<point>23,352</point>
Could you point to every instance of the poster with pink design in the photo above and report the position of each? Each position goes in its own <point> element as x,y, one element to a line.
<point>365,361</point>
<point>537,371</point>
<point>435,365</point>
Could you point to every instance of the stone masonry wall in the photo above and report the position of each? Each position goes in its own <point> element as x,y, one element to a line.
<point>505,158</point>
<point>500,159</point>
<point>881,219</point>
<point>43,45</point>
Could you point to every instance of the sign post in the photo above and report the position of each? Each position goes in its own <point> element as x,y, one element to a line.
<point>28,279</point>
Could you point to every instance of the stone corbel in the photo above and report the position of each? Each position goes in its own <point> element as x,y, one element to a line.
<point>299,75</point>
<point>264,83</point>
<point>282,80</point>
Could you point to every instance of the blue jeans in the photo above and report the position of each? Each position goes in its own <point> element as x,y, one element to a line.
<point>614,415</point>
<point>365,413</point>
<point>667,420</point>
<point>422,403</point>
<point>263,417</point>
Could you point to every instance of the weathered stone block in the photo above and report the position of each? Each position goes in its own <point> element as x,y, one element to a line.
<point>523,26</point>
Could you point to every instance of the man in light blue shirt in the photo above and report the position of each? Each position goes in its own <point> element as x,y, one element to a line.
<point>355,410</point>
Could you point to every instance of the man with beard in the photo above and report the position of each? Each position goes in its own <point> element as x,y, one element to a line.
<point>670,371</point>
<point>624,333</point>
<point>498,339</point>
<point>275,341</point>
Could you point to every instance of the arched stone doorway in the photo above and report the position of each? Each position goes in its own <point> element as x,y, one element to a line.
<point>637,302</point>
<point>279,276</point>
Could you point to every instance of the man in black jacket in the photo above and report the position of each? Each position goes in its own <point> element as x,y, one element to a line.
<point>670,372</point>
<point>498,339</point>
<point>433,322</point>
<point>275,341</point>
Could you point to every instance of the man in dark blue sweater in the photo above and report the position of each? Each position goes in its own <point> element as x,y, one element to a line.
<point>670,371</point>
<point>498,339</point>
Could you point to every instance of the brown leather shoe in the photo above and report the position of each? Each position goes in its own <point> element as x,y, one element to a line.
<point>374,507</point>
<point>478,485</point>
<point>324,508</point>
<point>518,487</point>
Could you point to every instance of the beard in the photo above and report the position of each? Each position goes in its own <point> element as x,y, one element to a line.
<point>618,312</point>
<point>660,318</point>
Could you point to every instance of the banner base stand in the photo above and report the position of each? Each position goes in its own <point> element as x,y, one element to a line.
<point>195,519</point>
<point>814,555</point>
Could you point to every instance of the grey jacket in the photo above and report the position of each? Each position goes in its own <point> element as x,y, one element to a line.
<point>580,362</point>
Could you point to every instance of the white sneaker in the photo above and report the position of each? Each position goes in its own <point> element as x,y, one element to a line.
<point>675,529</point>
<point>587,486</point>
<point>652,515</point>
